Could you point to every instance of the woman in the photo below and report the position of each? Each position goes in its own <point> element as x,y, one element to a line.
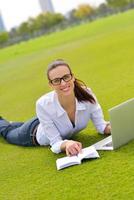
<point>60,114</point>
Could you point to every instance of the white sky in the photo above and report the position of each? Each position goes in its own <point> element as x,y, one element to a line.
<point>15,12</point>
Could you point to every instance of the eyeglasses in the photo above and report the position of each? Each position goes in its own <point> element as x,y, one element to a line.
<point>57,81</point>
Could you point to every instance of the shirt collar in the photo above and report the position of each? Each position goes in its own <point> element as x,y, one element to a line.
<point>60,111</point>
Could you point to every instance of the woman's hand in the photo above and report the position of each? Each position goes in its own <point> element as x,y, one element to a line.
<point>107,130</point>
<point>71,147</point>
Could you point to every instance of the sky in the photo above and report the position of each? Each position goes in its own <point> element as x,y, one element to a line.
<point>14,12</point>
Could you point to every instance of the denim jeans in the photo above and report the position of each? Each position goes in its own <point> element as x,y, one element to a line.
<point>19,133</point>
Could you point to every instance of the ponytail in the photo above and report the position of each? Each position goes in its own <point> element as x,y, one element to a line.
<point>81,92</point>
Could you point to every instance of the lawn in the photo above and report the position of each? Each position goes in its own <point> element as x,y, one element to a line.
<point>101,54</point>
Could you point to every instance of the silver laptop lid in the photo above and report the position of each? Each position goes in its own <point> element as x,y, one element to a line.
<point>122,123</point>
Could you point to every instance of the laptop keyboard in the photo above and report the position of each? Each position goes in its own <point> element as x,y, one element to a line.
<point>109,144</point>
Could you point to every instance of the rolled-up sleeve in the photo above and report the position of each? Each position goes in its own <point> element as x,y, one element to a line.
<point>56,146</point>
<point>49,128</point>
<point>98,118</point>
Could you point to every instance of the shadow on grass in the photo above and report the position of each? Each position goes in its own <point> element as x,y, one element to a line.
<point>88,139</point>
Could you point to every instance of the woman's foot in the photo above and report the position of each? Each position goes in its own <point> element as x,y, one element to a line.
<point>4,124</point>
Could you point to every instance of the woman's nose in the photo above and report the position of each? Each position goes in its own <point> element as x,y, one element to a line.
<point>63,82</point>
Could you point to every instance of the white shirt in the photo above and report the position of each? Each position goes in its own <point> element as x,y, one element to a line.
<point>55,126</point>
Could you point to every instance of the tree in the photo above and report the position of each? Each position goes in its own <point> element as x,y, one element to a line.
<point>57,18</point>
<point>103,10</point>
<point>47,20</point>
<point>31,25</point>
<point>13,32</point>
<point>71,15</point>
<point>83,11</point>
<point>23,29</point>
<point>118,4</point>
<point>4,36</point>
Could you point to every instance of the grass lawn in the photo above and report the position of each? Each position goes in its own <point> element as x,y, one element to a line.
<point>101,54</point>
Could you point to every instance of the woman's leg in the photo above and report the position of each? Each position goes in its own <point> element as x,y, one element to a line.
<point>4,125</point>
<point>16,124</point>
<point>21,135</point>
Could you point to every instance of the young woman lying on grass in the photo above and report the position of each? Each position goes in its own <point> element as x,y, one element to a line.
<point>61,113</point>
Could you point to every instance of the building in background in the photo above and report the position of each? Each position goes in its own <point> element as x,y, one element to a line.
<point>46,6</point>
<point>2,26</point>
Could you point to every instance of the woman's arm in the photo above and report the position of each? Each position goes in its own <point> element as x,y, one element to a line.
<point>48,127</point>
<point>98,118</point>
<point>107,130</point>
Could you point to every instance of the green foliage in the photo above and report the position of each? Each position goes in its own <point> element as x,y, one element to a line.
<point>100,54</point>
<point>47,20</point>
<point>42,21</point>
<point>121,3</point>
<point>23,28</point>
<point>3,37</point>
<point>84,10</point>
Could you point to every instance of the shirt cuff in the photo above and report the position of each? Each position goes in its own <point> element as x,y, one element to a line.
<point>56,147</point>
<point>103,127</point>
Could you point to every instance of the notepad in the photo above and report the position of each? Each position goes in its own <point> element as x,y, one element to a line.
<point>86,153</point>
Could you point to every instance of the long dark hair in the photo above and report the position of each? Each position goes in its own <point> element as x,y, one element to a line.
<point>80,89</point>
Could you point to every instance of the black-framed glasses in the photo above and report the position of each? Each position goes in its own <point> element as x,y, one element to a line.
<point>57,81</point>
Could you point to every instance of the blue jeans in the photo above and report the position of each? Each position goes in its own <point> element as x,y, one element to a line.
<point>19,133</point>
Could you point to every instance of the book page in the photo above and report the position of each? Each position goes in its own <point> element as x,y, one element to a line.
<point>67,161</point>
<point>88,152</point>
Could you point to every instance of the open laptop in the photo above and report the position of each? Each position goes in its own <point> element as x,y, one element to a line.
<point>122,124</point>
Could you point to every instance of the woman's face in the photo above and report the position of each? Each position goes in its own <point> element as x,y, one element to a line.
<point>62,81</point>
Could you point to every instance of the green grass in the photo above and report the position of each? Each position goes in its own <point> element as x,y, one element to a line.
<point>101,54</point>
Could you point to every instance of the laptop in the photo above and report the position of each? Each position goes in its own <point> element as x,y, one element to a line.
<point>122,125</point>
